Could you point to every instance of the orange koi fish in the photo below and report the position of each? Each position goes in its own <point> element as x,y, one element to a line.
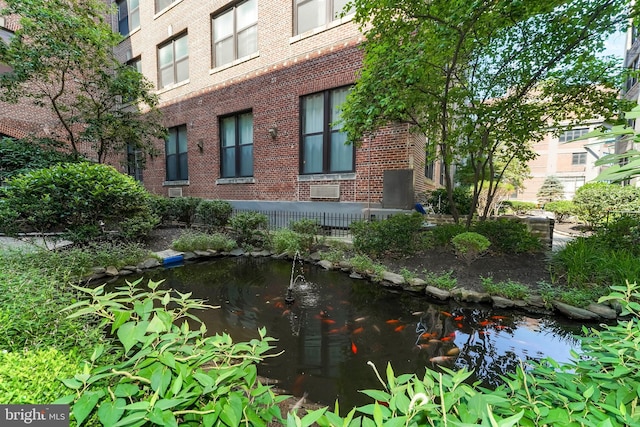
<point>400,328</point>
<point>392,321</point>
<point>354,349</point>
<point>357,330</point>
<point>422,346</point>
<point>458,318</point>
<point>334,331</point>
<point>498,317</point>
<point>427,335</point>
<point>485,323</point>
<point>459,325</point>
<point>328,321</point>
<point>447,338</point>
<point>284,313</point>
<point>453,351</point>
<point>446,313</point>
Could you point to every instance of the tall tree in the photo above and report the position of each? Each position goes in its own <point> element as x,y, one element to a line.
<point>482,80</point>
<point>62,57</point>
<point>550,190</point>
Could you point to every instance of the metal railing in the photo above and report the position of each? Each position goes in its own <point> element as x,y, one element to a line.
<point>332,224</point>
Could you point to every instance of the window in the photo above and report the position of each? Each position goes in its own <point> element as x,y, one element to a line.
<point>429,169</point>
<point>235,33</point>
<point>176,152</point>
<point>579,159</point>
<point>163,4</point>
<point>134,162</point>
<point>5,36</point>
<point>173,62</point>
<point>323,148</point>
<point>570,135</point>
<point>236,145</point>
<point>128,16</point>
<point>310,14</point>
<point>136,64</point>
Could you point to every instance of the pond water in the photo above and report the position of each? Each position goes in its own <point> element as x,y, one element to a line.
<point>337,324</point>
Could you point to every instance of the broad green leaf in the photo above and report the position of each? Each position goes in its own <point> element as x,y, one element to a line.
<point>111,411</point>
<point>85,405</point>
<point>313,416</point>
<point>126,390</point>
<point>132,420</point>
<point>126,336</point>
<point>72,383</point>
<point>120,317</point>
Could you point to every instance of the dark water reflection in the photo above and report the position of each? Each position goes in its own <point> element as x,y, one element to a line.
<point>337,324</point>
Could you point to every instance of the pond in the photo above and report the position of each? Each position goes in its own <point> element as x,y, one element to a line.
<point>337,324</point>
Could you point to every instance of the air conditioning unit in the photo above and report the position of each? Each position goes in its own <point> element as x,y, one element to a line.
<point>175,192</point>
<point>331,191</point>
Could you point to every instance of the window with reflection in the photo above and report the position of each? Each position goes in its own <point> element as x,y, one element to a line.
<point>323,148</point>
<point>176,154</point>
<point>235,33</point>
<point>128,16</point>
<point>236,145</point>
<point>310,14</point>
<point>173,61</point>
<point>163,4</point>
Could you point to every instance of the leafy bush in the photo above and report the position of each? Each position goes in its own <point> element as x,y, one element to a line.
<point>77,197</point>
<point>250,227</point>
<point>308,229</point>
<point>462,198</point>
<point>287,241</point>
<point>196,241</point>
<point>621,234</point>
<point>469,245</point>
<point>441,235</point>
<point>597,202</point>
<point>33,377</point>
<point>506,289</point>
<point>396,234</point>
<point>165,371</point>
<point>161,207</point>
<point>183,209</point>
<point>508,236</point>
<point>520,208</point>
<point>365,265</point>
<point>19,156</point>
<point>213,213</point>
<point>562,209</point>
<point>443,281</point>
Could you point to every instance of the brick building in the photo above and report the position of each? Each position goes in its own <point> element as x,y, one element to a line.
<point>250,92</point>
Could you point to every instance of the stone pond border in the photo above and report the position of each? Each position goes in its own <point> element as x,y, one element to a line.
<point>533,304</point>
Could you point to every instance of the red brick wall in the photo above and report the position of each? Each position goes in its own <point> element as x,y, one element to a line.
<point>274,99</point>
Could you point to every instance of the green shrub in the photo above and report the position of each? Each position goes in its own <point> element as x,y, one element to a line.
<point>506,289</point>
<point>250,228</point>
<point>365,265</point>
<point>443,280</point>
<point>462,198</point>
<point>76,197</point>
<point>562,209</point>
<point>195,241</point>
<point>287,241</point>
<point>508,236</point>
<point>213,213</point>
<point>622,233</point>
<point>161,207</point>
<point>166,371</point>
<point>397,234</point>
<point>33,377</point>
<point>308,229</point>
<point>598,202</point>
<point>441,235</point>
<point>469,246</point>
<point>183,209</point>
<point>519,207</point>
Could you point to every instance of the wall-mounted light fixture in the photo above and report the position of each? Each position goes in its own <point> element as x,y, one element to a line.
<point>200,145</point>
<point>273,132</point>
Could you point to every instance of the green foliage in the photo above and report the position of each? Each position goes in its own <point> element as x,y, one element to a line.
<point>597,202</point>
<point>365,265</point>
<point>520,208</point>
<point>334,255</point>
<point>469,245</point>
<point>562,209</point>
<point>593,264</point>
<point>79,197</point>
<point>24,155</point>
<point>441,235</point>
<point>33,377</point>
<point>440,202</point>
<point>250,227</point>
<point>407,274</point>
<point>287,241</point>
<point>183,209</point>
<point>508,236</point>
<point>443,280</point>
<point>551,190</point>
<point>308,229</point>
<point>213,213</point>
<point>161,207</point>
<point>166,371</point>
<point>191,241</point>
<point>63,58</point>
<point>32,293</point>
<point>506,289</point>
<point>396,234</point>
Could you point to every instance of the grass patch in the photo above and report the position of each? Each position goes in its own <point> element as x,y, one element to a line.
<point>507,289</point>
<point>197,241</point>
<point>443,280</point>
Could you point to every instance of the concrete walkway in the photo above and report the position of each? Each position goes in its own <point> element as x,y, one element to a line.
<point>30,243</point>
